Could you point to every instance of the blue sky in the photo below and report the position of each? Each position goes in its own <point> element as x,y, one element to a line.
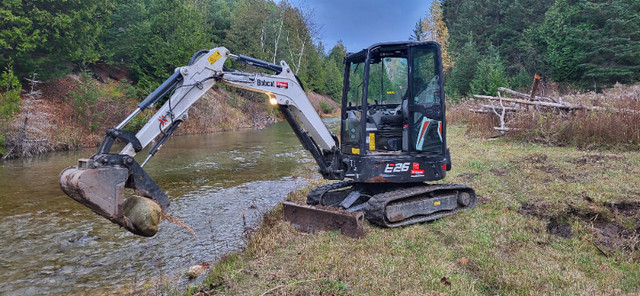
<point>360,23</point>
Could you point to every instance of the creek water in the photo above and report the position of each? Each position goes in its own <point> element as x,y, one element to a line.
<point>219,184</point>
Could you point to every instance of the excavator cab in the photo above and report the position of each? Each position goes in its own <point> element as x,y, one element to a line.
<point>393,138</point>
<point>393,113</point>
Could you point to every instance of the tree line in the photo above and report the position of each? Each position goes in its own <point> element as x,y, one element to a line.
<point>587,44</point>
<point>583,43</point>
<point>153,37</point>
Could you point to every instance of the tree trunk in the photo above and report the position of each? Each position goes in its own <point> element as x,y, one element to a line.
<point>275,48</point>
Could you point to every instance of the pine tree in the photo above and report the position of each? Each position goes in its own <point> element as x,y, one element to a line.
<point>417,34</point>
<point>9,95</point>
<point>563,49</point>
<point>219,20</point>
<point>245,33</point>
<point>589,43</point>
<point>333,69</point>
<point>152,37</point>
<point>316,71</point>
<point>52,37</point>
<point>611,31</point>
<point>9,101</point>
<point>490,75</point>
<point>461,75</point>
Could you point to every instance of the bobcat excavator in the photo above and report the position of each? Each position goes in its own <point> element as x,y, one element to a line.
<point>392,138</point>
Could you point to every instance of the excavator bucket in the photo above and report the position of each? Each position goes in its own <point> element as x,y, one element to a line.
<point>102,189</point>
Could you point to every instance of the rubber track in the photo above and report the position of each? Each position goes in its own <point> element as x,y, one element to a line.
<point>377,204</point>
<point>315,195</point>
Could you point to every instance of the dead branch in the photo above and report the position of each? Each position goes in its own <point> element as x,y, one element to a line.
<point>563,105</point>
<point>534,103</point>
<point>526,96</point>
<point>479,111</point>
<point>510,109</point>
<point>505,129</point>
<point>501,114</point>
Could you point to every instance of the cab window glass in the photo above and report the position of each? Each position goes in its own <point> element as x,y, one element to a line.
<point>356,77</point>
<point>426,83</point>
<point>387,80</point>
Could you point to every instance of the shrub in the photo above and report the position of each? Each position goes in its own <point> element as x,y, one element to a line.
<point>326,109</point>
<point>9,101</point>
<point>85,102</point>
<point>97,104</point>
<point>10,96</point>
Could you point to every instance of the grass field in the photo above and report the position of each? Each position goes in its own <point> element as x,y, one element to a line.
<point>549,220</point>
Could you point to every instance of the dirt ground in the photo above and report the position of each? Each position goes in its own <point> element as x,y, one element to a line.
<point>606,219</point>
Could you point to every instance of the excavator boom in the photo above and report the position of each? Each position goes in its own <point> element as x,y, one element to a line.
<point>99,182</point>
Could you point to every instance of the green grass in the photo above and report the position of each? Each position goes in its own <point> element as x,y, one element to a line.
<point>502,246</point>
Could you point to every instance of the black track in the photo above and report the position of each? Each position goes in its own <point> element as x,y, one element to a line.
<point>375,211</point>
<point>316,194</point>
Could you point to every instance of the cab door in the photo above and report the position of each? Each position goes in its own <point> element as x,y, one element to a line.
<point>426,108</point>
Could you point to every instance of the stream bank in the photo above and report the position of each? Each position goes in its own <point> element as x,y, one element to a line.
<point>73,112</point>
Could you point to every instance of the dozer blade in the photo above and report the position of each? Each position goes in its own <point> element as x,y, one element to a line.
<point>101,189</point>
<point>314,219</point>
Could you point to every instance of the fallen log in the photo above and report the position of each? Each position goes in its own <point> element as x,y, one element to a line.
<point>535,103</point>
<point>490,108</point>
<point>505,129</point>
<point>564,105</point>
<point>526,96</point>
<point>480,111</point>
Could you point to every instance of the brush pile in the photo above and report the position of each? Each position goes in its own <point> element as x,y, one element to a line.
<point>609,119</point>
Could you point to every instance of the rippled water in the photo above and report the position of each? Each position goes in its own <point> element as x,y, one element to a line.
<point>219,185</point>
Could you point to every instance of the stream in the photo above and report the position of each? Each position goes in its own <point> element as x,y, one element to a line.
<point>220,185</point>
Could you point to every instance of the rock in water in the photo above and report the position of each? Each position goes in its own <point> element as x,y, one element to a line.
<point>143,213</point>
<point>196,270</point>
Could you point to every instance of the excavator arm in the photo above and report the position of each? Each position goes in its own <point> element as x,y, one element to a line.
<point>99,182</point>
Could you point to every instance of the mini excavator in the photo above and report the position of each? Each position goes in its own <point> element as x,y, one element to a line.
<point>392,138</point>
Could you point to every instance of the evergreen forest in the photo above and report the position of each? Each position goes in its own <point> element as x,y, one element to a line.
<point>579,44</point>
<point>152,37</point>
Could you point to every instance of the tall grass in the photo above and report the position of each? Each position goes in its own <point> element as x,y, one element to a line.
<point>617,127</point>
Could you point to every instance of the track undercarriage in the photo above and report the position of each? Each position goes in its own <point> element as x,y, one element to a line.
<point>393,205</point>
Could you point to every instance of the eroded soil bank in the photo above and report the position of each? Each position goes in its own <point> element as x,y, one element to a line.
<point>74,112</point>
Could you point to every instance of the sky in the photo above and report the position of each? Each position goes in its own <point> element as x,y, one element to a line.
<point>361,23</point>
